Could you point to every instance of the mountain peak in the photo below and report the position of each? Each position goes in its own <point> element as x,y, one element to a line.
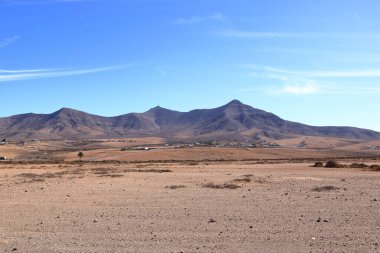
<point>158,109</point>
<point>234,102</point>
<point>64,110</point>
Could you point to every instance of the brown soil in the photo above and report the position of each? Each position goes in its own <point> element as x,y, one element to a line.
<point>165,207</point>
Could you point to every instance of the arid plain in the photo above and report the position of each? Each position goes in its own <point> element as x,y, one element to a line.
<point>205,199</point>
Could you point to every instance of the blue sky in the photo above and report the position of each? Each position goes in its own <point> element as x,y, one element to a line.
<point>315,62</point>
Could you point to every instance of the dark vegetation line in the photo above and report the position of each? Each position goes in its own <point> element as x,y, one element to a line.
<point>257,161</point>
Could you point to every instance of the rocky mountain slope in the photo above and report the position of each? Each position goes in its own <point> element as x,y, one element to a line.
<point>233,121</point>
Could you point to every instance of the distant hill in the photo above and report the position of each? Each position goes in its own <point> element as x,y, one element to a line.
<point>233,121</point>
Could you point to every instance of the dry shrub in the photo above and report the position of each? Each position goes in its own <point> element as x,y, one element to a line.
<point>102,171</point>
<point>77,171</point>
<point>318,164</point>
<point>37,178</point>
<point>44,175</point>
<point>333,164</point>
<point>358,165</point>
<point>325,188</point>
<point>148,170</point>
<point>222,186</point>
<point>242,180</point>
<point>260,180</point>
<point>41,177</point>
<point>111,175</point>
<point>374,167</point>
<point>142,165</point>
<point>173,187</point>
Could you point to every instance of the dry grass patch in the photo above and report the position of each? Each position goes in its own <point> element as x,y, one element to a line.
<point>192,163</point>
<point>261,180</point>
<point>358,165</point>
<point>111,175</point>
<point>49,175</point>
<point>173,187</point>
<point>325,188</point>
<point>148,170</point>
<point>221,186</point>
<point>242,180</point>
<point>102,171</point>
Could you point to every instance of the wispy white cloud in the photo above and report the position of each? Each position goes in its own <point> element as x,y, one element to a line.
<point>21,71</point>
<point>42,2</point>
<point>200,19</point>
<point>275,35</point>
<point>306,89</point>
<point>16,75</point>
<point>257,35</point>
<point>8,41</point>
<point>313,82</point>
<point>317,74</point>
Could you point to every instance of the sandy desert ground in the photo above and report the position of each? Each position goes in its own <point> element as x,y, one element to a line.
<point>188,207</point>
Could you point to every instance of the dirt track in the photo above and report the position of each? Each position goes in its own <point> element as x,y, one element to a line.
<point>131,208</point>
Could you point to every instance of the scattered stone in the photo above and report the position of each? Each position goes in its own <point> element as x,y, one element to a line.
<point>212,220</point>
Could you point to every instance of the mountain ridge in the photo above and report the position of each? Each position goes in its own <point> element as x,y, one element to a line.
<point>232,121</point>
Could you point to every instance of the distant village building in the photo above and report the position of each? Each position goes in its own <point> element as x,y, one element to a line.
<point>2,158</point>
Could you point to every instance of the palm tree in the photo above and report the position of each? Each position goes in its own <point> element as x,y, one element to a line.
<point>80,155</point>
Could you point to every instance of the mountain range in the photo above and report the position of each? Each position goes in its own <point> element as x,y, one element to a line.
<point>233,121</point>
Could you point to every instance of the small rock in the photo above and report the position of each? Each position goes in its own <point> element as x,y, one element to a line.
<point>212,220</point>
